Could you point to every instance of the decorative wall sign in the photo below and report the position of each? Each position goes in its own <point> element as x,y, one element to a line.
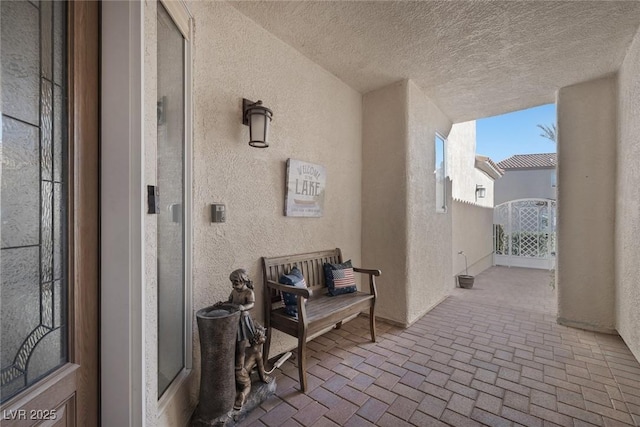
<point>305,189</point>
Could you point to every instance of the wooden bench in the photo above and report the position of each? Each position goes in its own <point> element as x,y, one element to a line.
<point>321,311</point>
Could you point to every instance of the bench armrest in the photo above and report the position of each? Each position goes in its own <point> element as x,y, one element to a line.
<point>303,292</point>
<point>372,279</point>
<point>367,271</point>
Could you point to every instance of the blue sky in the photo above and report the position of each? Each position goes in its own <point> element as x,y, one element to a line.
<point>500,137</point>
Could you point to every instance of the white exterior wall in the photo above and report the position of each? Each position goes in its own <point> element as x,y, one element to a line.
<point>525,184</point>
<point>627,268</point>
<point>489,184</point>
<point>461,158</point>
<point>586,204</point>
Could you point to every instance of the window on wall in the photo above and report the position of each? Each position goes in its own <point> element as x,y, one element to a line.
<point>441,174</point>
<point>173,223</point>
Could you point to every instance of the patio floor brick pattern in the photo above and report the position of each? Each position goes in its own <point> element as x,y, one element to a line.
<point>491,355</point>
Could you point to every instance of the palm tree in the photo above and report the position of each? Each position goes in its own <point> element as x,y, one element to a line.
<point>549,132</point>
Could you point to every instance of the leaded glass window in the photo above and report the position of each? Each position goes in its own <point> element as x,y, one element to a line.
<point>33,185</point>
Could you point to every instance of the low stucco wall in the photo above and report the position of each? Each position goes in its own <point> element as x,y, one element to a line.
<point>472,232</point>
<point>627,246</point>
<point>401,232</point>
<point>586,204</point>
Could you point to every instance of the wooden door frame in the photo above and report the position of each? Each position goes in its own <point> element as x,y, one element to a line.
<point>72,390</point>
<point>84,133</point>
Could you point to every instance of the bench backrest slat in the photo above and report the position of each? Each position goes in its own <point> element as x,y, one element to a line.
<point>311,264</point>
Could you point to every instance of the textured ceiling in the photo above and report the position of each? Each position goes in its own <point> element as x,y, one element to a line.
<point>474,59</point>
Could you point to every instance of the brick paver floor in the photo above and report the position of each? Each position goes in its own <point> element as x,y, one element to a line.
<point>491,355</point>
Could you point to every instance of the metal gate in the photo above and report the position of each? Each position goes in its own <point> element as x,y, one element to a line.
<point>524,233</point>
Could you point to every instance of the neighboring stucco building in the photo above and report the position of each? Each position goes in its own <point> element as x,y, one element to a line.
<point>527,176</point>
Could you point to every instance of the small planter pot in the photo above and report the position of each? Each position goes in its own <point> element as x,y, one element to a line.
<point>465,281</point>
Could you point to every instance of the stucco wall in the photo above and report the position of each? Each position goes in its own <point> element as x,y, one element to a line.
<point>177,402</point>
<point>586,204</point>
<point>628,201</point>
<point>150,221</point>
<point>471,217</point>
<point>472,233</point>
<point>524,184</point>
<point>461,158</point>
<point>428,232</point>
<point>317,118</point>
<point>401,232</point>
<point>384,196</point>
<point>489,184</point>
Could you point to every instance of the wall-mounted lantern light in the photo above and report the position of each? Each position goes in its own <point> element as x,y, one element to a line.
<point>257,118</point>
<point>481,192</point>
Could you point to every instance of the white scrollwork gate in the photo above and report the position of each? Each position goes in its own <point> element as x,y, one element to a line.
<point>524,233</point>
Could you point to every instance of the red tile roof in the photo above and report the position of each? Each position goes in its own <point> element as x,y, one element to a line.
<point>529,161</point>
<point>495,166</point>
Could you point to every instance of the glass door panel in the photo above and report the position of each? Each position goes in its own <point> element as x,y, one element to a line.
<point>170,175</point>
<point>34,193</point>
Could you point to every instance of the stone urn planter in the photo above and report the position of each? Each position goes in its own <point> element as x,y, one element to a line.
<point>218,328</point>
<point>465,281</point>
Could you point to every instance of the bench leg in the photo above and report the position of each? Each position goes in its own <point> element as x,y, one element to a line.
<point>266,346</point>
<point>339,325</point>
<point>302,362</point>
<point>372,322</point>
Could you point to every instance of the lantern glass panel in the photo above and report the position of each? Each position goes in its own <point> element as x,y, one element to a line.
<point>258,131</point>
